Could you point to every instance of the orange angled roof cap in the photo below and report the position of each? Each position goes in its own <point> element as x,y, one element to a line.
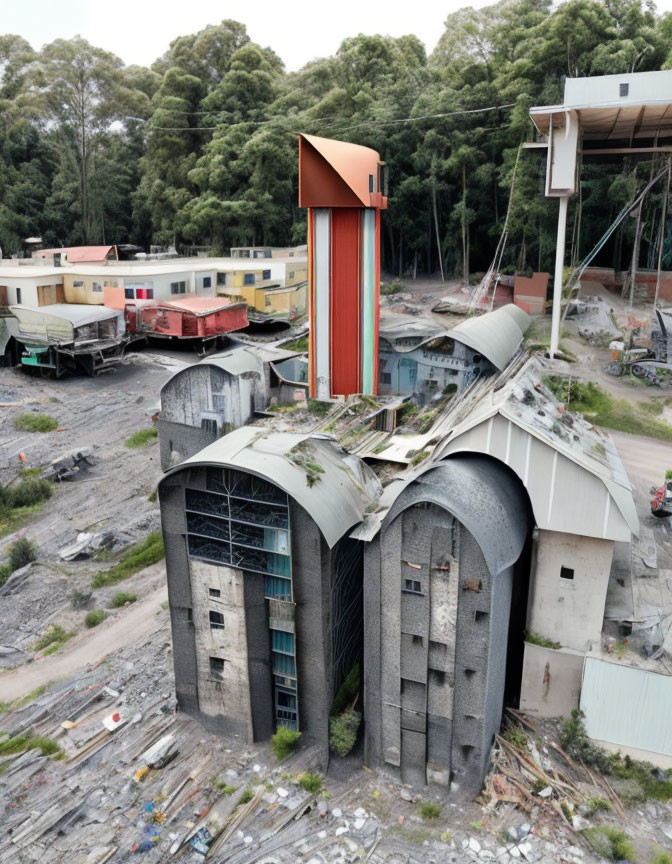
<point>337,174</point>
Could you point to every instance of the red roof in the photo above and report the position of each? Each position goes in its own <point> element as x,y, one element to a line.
<point>80,254</point>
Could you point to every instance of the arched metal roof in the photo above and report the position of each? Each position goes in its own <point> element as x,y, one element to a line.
<point>496,335</point>
<point>484,496</point>
<point>339,496</point>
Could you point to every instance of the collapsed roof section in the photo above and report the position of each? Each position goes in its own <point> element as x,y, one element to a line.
<point>572,471</point>
<point>336,496</point>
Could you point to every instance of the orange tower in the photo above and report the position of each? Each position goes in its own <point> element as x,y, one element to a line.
<point>340,184</point>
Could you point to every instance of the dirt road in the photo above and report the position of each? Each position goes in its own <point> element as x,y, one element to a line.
<point>88,647</point>
<point>644,459</point>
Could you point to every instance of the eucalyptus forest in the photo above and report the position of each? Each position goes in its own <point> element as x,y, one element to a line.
<point>200,149</point>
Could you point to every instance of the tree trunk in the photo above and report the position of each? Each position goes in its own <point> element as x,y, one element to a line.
<point>436,227</point>
<point>635,254</point>
<point>390,235</point>
<point>465,238</point>
<point>401,253</point>
<point>415,264</point>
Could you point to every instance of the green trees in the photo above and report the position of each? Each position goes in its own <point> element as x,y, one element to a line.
<point>201,147</point>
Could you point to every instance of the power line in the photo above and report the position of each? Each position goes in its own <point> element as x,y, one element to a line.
<point>329,121</point>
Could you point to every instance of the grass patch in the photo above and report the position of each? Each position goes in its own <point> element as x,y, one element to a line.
<point>387,289</point>
<point>596,805</point>
<point>661,858</point>
<point>52,639</point>
<point>19,501</point>
<point>30,697</point>
<point>121,598</point>
<point>516,736</point>
<point>247,796</point>
<point>21,743</point>
<point>141,437</point>
<point>428,810</point>
<point>284,742</point>
<point>655,408</point>
<point>601,409</point>
<point>537,639</point>
<point>24,473</point>
<point>651,782</point>
<point>21,553</point>
<point>223,787</point>
<point>609,842</point>
<point>300,344</point>
<point>142,555</point>
<point>311,783</point>
<point>35,422</point>
<point>318,408</point>
<point>95,617</point>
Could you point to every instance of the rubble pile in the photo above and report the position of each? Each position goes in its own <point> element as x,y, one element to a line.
<point>594,320</point>
<point>105,769</point>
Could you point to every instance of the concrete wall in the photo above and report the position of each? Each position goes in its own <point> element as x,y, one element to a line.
<point>435,671</point>
<point>28,287</point>
<point>225,700</point>
<point>311,570</point>
<point>204,391</point>
<point>551,683</point>
<point>182,440</point>
<point>531,286</point>
<point>569,611</point>
<point>241,702</point>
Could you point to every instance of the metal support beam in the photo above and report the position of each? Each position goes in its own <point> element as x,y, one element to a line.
<point>557,281</point>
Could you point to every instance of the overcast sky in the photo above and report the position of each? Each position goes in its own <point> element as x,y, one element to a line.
<point>139,31</point>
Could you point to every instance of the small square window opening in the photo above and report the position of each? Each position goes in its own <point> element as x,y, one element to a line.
<point>214,592</point>
<point>623,90</point>
<point>216,620</point>
<point>217,668</point>
<point>566,573</point>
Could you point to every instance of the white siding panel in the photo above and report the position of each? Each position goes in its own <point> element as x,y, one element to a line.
<point>322,264</point>
<point>627,707</point>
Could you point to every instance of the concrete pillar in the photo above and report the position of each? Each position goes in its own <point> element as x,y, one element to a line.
<point>557,281</point>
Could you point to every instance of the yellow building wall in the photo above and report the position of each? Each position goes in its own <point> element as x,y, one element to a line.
<point>289,304</point>
<point>300,275</point>
<point>87,289</point>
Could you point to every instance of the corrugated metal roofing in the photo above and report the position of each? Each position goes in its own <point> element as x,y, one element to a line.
<point>248,359</point>
<point>573,473</point>
<point>77,314</point>
<point>627,707</point>
<point>496,335</point>
<point>58,321</point>
<point>336,501</point>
